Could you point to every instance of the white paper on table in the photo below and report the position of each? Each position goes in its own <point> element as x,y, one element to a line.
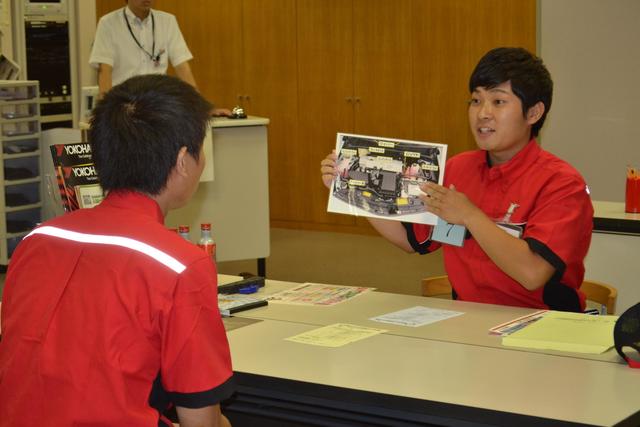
<point>335,335</point>
<point>416,316</point>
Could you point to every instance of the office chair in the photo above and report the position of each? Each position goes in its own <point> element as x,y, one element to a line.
<point>605,295</point>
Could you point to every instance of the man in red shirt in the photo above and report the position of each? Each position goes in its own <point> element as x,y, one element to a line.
<point>109,318</point>
<point>527,213</point>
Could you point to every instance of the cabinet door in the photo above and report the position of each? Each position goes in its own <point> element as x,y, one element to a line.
<point>325,93</point>
<point>105,6</point>
<point>382,71</point>
<point>382,68</point>
<point>270,69</point>
<point>213,32</point>
<point>449,37</point>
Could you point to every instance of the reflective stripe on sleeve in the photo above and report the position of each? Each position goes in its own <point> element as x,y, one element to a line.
<point>124,242</point>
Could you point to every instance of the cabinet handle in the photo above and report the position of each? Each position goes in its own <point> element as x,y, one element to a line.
<point>348,99</point>
<point>240,97</point>
<point>357,100</point>
<point>247,98</point>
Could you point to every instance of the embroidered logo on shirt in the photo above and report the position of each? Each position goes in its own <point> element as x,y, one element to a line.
<point>507,217</point>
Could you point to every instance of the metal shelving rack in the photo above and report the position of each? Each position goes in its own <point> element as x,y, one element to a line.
<point>21,173</point>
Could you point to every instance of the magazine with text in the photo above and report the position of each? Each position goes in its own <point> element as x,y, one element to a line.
<point>76,176</point>
<point>380,177</point>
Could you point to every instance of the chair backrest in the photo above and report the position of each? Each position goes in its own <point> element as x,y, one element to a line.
<point>603,294</point>
<point>438,287</point>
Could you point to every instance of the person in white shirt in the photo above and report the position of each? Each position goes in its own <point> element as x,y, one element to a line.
<point>137,39</point>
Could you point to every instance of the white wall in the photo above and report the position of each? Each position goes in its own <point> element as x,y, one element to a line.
<point>86,30</point>
<point>592,49</point>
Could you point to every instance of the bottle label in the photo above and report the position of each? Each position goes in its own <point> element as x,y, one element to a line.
<point>209,248</point>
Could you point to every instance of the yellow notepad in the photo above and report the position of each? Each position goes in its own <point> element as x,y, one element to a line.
<point>562,331</point>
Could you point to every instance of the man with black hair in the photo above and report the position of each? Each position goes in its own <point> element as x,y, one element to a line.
<point>108,317</point>
<point>528,214</point>
<point>136,40</point>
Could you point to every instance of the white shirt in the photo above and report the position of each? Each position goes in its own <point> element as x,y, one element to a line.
<point>114,45</point>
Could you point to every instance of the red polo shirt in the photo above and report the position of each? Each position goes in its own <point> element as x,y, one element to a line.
<point>106,316</point>
<point>548,198</point>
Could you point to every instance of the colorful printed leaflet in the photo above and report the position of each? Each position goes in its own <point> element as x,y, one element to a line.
<point>381,177</point>
<point>514,325</point>
<point>316,294</point>
<point>76,176</point>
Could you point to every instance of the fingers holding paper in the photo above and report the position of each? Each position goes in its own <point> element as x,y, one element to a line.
<point>328,169</point>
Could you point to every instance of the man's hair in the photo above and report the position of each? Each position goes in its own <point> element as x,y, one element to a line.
<point>530,79</point>
<point>138,128</point>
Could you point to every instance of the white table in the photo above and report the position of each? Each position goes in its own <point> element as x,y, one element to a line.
<point>447,373</point>
<point>615,252</point>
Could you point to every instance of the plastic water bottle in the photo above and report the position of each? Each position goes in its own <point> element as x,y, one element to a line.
<point>206,241</point>
<point>183,230</point>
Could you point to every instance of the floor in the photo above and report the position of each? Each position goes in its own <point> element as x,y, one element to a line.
<point>345,259</point>
<point>339,258</point>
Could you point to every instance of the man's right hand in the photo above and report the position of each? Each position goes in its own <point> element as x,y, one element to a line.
<point>328,168</point>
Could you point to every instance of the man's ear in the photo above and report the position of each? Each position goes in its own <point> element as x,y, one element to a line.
<point>181,161</point>
<point>535,113</point>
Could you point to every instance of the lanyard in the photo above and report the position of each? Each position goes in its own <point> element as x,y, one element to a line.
<point>155,58</point>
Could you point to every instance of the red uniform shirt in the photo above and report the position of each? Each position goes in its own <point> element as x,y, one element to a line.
<point>106,316</point>
<point>542,194</point>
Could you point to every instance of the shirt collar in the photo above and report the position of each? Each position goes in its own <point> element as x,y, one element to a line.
<point>516,165</point>
<point>135,202</point>
<point>133,18</point>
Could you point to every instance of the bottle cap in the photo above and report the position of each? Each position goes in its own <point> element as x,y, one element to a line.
<point>205,226</point>
<point>183,229</point>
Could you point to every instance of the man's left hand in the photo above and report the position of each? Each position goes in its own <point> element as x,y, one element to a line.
<point>449,204</point>
<point>220,112</point>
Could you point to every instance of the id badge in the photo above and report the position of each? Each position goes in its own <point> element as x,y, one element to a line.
<point>513,229</point>
<point>451,234</point>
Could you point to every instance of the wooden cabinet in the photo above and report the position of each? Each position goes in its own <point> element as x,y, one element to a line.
<point>395,68</point>
<point>327,98</point>
<point>354,63</point>
<point>245,54</point>
<point>213,32</point>
<point>382,68</point>
<point>270,88</point>
<point>449,37</point>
